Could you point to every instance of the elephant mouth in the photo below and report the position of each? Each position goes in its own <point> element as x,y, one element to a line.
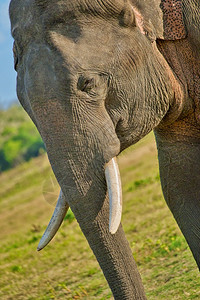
<point>114,188</point>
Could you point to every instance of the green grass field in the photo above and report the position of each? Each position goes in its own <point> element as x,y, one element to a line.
<point>66,268</point>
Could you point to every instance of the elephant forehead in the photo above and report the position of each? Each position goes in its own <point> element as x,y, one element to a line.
<point>91,49</point>
<point>59,10</point>
<point>82,6</point>
<point>34,17</point>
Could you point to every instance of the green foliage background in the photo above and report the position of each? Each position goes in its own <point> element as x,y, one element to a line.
<point>19,139</point>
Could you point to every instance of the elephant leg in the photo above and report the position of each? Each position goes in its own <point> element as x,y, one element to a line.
<point>179,162</point>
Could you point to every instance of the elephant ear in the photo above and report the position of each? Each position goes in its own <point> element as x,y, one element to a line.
<point>173,24</point>
<point>160,19</point>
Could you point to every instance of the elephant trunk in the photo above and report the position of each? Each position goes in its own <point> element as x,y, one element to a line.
<point>111,250</point>
<point>81,176</point>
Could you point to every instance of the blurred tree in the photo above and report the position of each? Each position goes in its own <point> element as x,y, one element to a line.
<point>19,140</point>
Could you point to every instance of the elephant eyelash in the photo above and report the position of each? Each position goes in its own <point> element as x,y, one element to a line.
<point>89,83</point>
<point>85,84</point>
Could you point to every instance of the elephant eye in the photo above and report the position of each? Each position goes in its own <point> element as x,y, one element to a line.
<point>85,84</point>
<point>15,54</point>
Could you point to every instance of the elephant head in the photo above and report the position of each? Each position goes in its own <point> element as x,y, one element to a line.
<point>94,81</point>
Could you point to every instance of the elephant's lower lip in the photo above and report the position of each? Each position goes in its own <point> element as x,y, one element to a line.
<point>124,143</point>
<point>128,140</point>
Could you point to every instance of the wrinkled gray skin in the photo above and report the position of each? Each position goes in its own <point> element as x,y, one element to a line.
<point>95,77</point>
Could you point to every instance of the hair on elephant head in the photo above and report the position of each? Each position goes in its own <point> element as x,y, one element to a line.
<point>95,77</point>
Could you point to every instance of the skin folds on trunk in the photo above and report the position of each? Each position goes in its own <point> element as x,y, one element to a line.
<point>179,162</point>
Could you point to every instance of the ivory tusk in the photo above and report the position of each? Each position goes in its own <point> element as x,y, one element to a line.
<point>115,194</point>
<point>55,222</point>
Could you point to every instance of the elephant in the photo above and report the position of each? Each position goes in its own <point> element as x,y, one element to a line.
<point>96,76</point>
